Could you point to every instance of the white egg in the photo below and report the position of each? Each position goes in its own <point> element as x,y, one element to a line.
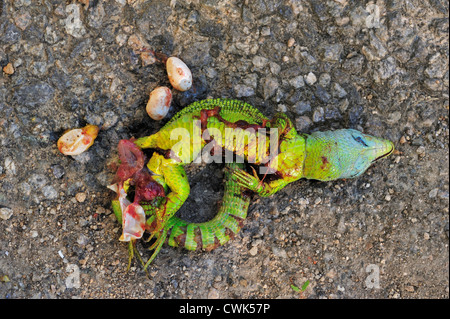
<point>76,141</point>
<point>179,74</point>
<point>159,103</point>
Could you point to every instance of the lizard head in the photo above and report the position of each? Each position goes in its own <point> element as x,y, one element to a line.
<point>364,150</point>
<point>343,154</point>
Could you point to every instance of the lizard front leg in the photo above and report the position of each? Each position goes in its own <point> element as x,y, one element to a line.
<point>253,183</point>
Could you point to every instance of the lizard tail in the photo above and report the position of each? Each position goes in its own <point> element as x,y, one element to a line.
<point>219,230</point>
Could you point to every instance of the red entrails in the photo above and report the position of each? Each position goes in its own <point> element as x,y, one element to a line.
<point>146,187</point>
<point>131,160</point>
<point>132,166</point>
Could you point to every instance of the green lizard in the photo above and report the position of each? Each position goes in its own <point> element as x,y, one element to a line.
<point>238,128</point>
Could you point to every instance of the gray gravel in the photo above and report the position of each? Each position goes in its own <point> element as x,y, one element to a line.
<point>379,66</point>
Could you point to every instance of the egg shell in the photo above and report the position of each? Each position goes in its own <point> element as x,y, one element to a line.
<point>159,103</point>
<point>133,222</point>
<point>77,141</point>
<point>179,74</point>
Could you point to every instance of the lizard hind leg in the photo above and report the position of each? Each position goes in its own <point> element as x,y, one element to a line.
<point>156,247</point>
<point>177,181</point>
<point>134,252</point>
<point>160,219</point>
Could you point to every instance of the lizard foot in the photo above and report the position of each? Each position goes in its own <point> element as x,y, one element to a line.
<point>157,230</point>
<point>133,252</point>
<point>246,180</point>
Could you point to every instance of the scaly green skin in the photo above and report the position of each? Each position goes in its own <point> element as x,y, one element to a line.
<point>322,155</point>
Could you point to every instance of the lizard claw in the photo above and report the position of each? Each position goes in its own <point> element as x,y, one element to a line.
<point>261,181</point>
<point>246,180</point>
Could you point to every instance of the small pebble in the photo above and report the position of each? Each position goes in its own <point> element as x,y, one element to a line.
<point>82,240</point>
<point>265,31</point>
<point>58,171</point>
<point>253,251</point>
<point>297,82</point>
<point>73,279</point>
<point>10,166</point>
<point>23,20</point>
<point>302,123</point>
<point>338,90</point>
<point>243,90</point>
<point>8,69</point>
<point>279,252</point>
<point>420,150</point>
<point>291,42</point>
<point>49,192</point>
<point>325,79</point>
<point>331,274</point>
<point>60,253</point>
<point>270,87</point>
<point>259,62</point>
<point>73,22</point>
<point>433,193</point>
<point>409,288</point>
<point>310,78</point>
<point>5,213</point>
<point>318,115</point>
<point>394,117</point>
<point>80,197</point>
<point>213,294</point>
<point>109,120</point>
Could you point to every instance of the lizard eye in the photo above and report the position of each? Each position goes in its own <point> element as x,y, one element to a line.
<point>360,140</point>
